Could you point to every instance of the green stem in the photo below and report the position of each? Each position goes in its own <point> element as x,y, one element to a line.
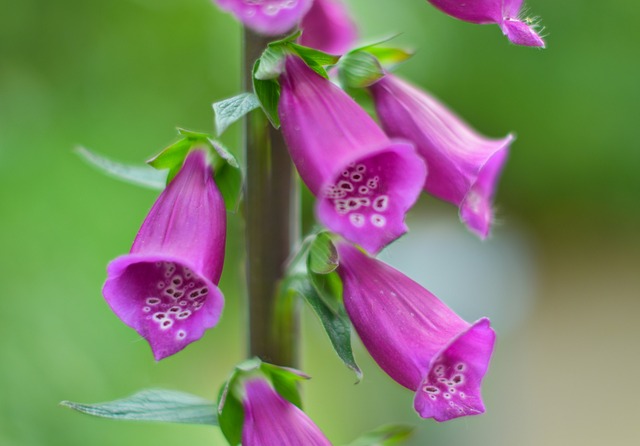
<point>272,228</point>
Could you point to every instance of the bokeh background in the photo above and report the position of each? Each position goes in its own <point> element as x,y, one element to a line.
<point>560,278</point>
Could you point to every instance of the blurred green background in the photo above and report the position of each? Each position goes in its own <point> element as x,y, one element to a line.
<point>560,277</point>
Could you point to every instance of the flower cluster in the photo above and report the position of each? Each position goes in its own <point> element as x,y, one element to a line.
<point>365,176</point>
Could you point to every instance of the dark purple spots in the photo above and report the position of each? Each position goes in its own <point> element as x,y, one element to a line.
<point>204,291</point>
<point>431,389</point>
<point>166,323</point>
<point>159,316</point>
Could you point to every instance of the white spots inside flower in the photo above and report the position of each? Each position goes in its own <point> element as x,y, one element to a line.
<point>439,370</point>
<point>446,396</point>
<point>433,397</point>
<point>183,293</point>
<point>181,334</point>
<point>431,389</point>
<point>378,221</point>
<point>462,395</point>
<point>442,380</point>
<point>447,379</point>
<point>358,196</point>
<point>357,220</point>
<point>185,314</point>
<point>381,203</point>
<point>457,379</point>
<point>452,390</point>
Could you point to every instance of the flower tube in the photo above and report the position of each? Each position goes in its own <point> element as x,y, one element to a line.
<point>504,13</point>
<point>364,182</point>
<point>270,420</point>
<point>415,338</point>
<point>464,167</point>
<point>166,287</point>
<point>328,27</point>
<point>268,17</point>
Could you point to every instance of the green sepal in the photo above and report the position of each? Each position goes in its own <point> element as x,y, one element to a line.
<point>227,172</point>
<point>230,407</point>
<point>268,94</point>
<point>142,175</point>
<point>230,110</point>
<point>387,56</point>
<point>359,69</point>
<point>335,323</point>
<point>323,255</point>
<point>385,436</point>
<point>167,406</point>
<point>315,59</point>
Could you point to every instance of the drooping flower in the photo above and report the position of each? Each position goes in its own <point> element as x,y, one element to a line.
<point>270,420</point>
<point>328,27</point>
<point>415,338</point>
<point>268,17</point>
<point>464,167</point>
<point>364,182</point>
<point>166,287</point>
<point>504,13</point>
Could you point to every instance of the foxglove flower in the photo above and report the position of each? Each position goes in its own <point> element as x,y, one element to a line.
<point>415,338</point>
<point>268,17</point>
<point>504,13</point>
<point>464,166</point>
<point>364,181</point>
<point>166,287</point>
<point>328,27</point>
<point>270,420</point>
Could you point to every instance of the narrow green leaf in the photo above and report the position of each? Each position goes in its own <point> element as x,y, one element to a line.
<point>268,93</point>
<point>167,406</point>
<point>228,177</point>
<point>388,56</point>
<point>385,436</point>
<point>228,111</point>
<point>141,175</point>
<point>359,69</point>
<point>323,256</point>
<point>337,325</point>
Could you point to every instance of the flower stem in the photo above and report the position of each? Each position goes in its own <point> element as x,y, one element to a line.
<point>272,228</point>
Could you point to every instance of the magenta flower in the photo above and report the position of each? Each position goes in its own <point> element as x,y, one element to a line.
<point>166,287</point>
<point>270,420</point>
<point>464,166</point>
<point>268,17</point>
<point>364,182</point>
<point>328,27</point>
<point>504,13</point>
<point>415,338</point>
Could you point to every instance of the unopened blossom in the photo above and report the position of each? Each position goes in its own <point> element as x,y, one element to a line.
<point>464,166</point>
<point>415,338</point>
<point>166,287</point>
<point>328,27</point>
<point>505,13</point>
<point>364,182</point>
<point>268,17</point>
<point>270,420</point>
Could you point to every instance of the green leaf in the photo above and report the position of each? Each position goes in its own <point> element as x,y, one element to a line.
<point>323,256</point>
<point>268,93</point>
<point>285,381</point>
<point>359,69</point>
<point>230,412</point>
<point>228,176</point>
<point>228,111</point>
<point>329,288</point>
<point>141,175</point>
<point>271,63</point>
<point>167,406</point>
<point>172,157</point>
<point>336,324</point>
<point>388,56</point>
<point>385,436</point>
<point>316,60</point>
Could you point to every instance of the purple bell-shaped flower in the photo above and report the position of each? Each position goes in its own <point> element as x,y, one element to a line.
<point>364,182</point>
<point>464,167</point>
<point>268,17</point>
<point>504,13</point>
<point>328,27</point>
<point>166,287</point>
<point>270,420</point>
<point>415,338</point>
